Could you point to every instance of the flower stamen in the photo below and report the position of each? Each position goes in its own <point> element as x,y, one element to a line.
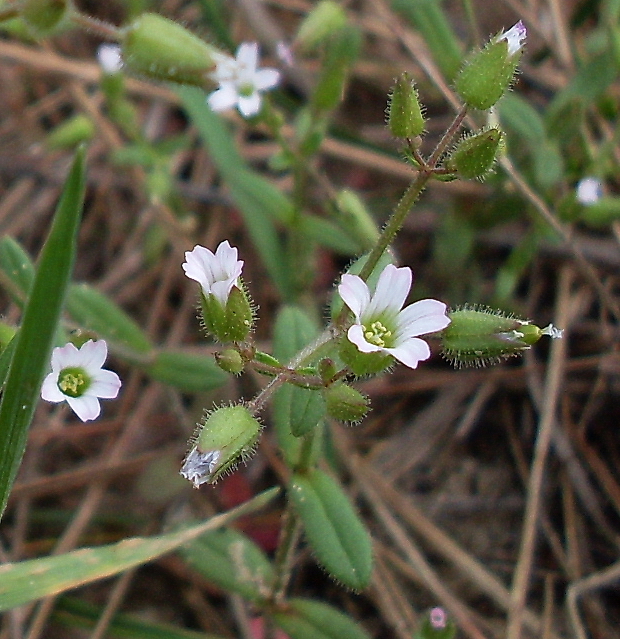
<point>377,334</point>
<point>73,382</point>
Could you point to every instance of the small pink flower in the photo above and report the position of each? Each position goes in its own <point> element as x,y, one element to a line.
<point>381,323</point>
<point>78,378</point>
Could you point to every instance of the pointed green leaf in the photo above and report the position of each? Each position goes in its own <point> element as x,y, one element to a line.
<point>16,270</point>
<point>308,619</point>
<point>336,534</point>
<point>27,581</point>
<point>41,317</point>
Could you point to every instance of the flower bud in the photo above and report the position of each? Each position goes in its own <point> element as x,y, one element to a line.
<point>162,49</point>
<point>326,18</point>
<point>326,369</point>
<point>404,113</point>
<point>474,155</point>
<point>45,18</point>
<point>345,403</point>
<point>230,360</point>
<point>228,434</point>
<point>231,322</point>
<point>486,74</point>
<point>477,336</point>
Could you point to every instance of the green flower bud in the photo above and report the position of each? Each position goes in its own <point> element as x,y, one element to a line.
<point>326,18</point>
<point>45,18</point>
<point>326,369</point>
<point>230,360</point>
<point>404,113</point>
<point>162,49</point>
<point>226,436</point>
<point>487,74</point>
<point>345,403</point>
<point>477,336</point>
<point>232,322</point>
<point>362,364</point>
<point>475,155</point>
<point>77,129</point>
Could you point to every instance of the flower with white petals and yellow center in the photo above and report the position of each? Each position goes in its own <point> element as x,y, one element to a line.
<point>382,325</point>
<point>78,378</point>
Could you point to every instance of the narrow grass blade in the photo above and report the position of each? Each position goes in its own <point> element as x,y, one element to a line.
<point>27,581</point>
<point>41,316</point>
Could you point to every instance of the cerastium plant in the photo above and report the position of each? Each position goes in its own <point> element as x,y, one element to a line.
<point>311,373</point>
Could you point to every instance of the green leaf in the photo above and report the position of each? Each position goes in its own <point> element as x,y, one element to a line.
<point>308,619</point>
<point>521,117</point>
<point>303,408</point>
<point>336,534</point>
<point>71,612</point>
<point>259,201</point>
<point>40,320</point>
<point>293,330</point>
<point>328,234</point>
<point>27,581</point>
<point>16,270</point>
<point>186,371</point>
<point>231,560</point>
<point>94,311</point>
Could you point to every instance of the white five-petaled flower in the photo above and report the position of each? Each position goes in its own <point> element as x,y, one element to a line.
<point>78,378</point>
<point>381,323</point>
<point>216,272</point>
<point>241,83</point>
<point>515,36</point>
<point>589,191</point>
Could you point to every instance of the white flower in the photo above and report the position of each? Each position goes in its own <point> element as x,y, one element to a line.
<point>78,378</point>
<point>216,272</point>
<point>109,57</point>
<point>515,36</point>
<point>589,191</point>
<point>380,324</point>
<point>241,83</point>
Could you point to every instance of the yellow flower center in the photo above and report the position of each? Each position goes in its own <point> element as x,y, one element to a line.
<point>376,334</point>
<point>73,382</point>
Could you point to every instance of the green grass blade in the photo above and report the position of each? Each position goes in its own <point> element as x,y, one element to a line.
<point>34,341</point>
<point>27,581</point>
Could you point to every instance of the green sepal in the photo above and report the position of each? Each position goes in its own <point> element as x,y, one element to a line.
<point>227,436</point>
<point>477,336</point>
<point>335,532</point>
<point>486,75</point>
<point>405,118</point>
<point>345,403</point>
<point>475,155</point>
<point>362,364</point>
<point>309,619</point>
<point>232,561</point>
<point>230,323</point>
<point>164,50</point>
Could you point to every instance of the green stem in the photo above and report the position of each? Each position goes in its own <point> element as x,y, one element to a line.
<point>93,25</point>
<point>284,554</point>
